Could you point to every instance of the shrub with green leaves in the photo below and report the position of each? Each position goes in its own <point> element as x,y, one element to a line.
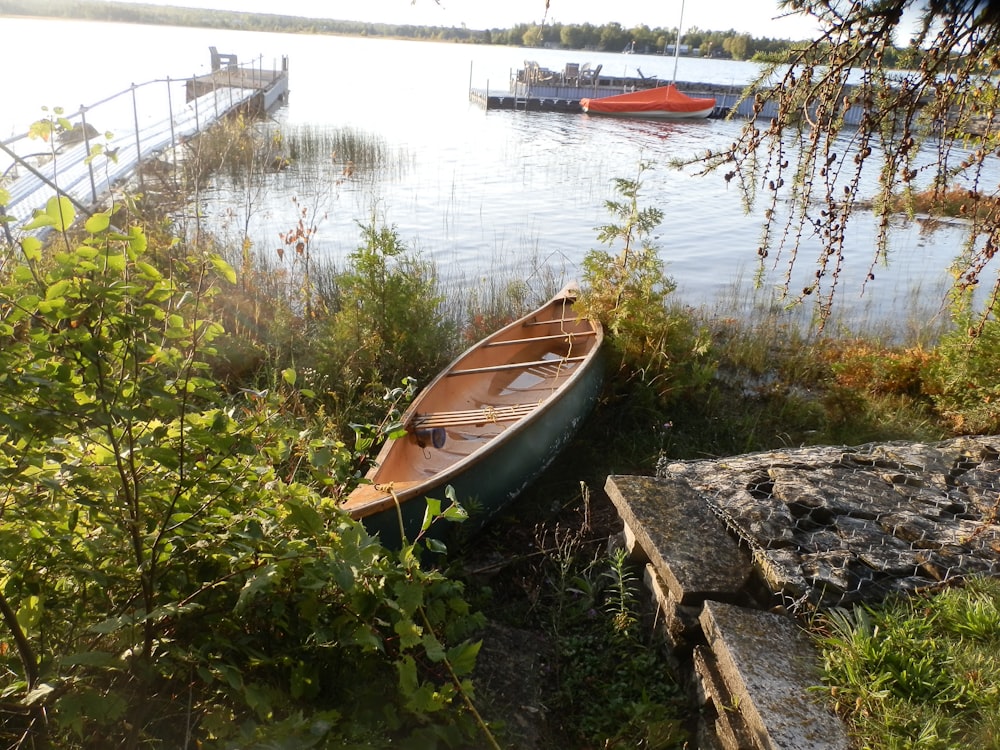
<point>629,293</point>
<point>162,582</point>
<point>388,323</point>
<point>962,377</point>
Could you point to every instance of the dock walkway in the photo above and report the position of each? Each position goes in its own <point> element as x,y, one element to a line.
<point>112,139</point>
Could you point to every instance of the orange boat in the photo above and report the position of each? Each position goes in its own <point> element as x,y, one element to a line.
<point>662,102</point>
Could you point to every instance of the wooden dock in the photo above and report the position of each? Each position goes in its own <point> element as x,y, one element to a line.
<point>270,86</point>
<point>562,94</point>
<point>153,129</point>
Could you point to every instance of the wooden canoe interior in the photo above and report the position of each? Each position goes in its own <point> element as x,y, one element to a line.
<point>492,387</point>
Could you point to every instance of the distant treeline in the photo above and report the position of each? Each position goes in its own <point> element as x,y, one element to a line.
<point>609,37</point>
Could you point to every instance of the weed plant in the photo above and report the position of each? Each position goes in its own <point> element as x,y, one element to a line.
<point>919,672</point>
<point>613,684</point>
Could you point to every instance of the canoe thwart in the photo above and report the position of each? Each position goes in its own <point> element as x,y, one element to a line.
<point>565,336</point>
<point>550,321</point>
<point>424,422</point>
<point>515,366</point>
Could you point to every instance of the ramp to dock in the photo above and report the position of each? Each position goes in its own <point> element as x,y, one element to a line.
<point>86,163</point>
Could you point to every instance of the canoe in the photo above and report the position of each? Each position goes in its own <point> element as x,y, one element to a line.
<point>662,102</point>
<point>487,425</point>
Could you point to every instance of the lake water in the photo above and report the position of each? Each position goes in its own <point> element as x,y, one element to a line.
<point>481,193</point>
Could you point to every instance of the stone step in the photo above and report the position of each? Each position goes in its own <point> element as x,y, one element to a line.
<point>680,621</point>
<point>724,722</point>
<point>768,665</point>
<point>688,545</point>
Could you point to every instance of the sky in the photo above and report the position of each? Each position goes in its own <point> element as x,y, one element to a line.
<point>760,18</point>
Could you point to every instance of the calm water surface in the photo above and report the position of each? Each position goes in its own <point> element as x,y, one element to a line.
<point>481,193</point>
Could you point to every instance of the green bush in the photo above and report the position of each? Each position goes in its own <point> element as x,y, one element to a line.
<point>387,324</point>
<point>163,581</point>
<point>656,346</point>
<point>962,378</point>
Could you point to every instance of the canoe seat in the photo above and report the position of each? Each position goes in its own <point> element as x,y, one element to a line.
<point>485,415</point>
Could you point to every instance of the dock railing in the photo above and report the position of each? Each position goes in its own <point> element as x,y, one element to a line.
<point>107,143</point>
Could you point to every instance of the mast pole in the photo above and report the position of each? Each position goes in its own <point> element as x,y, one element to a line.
<point>677,42</point>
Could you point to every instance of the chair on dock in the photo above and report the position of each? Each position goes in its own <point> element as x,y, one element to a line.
<point>571,74</point>
<point>588,75</point>
<point>220,58</point>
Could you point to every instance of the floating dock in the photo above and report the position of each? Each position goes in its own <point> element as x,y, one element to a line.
<point>536,89</point>
<point>562,94</point>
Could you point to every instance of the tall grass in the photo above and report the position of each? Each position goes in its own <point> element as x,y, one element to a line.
<point>919,672</point>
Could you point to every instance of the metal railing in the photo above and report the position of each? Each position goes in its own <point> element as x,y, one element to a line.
<point>108,141</point>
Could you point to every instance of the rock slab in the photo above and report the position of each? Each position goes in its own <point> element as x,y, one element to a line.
<point>686,542</point>
<point>834,526</point>
<point>768,665</point>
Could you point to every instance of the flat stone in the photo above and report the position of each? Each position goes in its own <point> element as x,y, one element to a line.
<point>680,621</point>
<point>682,537</point>
<point>768,664</point>
<point>725,723</point>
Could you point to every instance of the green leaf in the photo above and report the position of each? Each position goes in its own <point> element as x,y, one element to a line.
<point>288,375</point>
<point>148,272</point>
<point>29,614</point>
<point>306,518</point>
<point>408,632</point>
<point>231,675</point>
<point>258,699</point>
<point>432,511</point>
<point>58,289</point>
<point>409,595</point>
<point>92,659</point>
<point>436,546</point>
<point>98,223</point>
<point>227,271</point>
<point>262,580</point>
<point>61,210</point>
<point>463,657</point>
<point>136,241</point>
<point>32,248</point>
<point>433,648</point>
<point>455,513</point>
<point>112,624</point>
<point>115,261</point>
<point>407,669</point>
<point>40,219</point>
